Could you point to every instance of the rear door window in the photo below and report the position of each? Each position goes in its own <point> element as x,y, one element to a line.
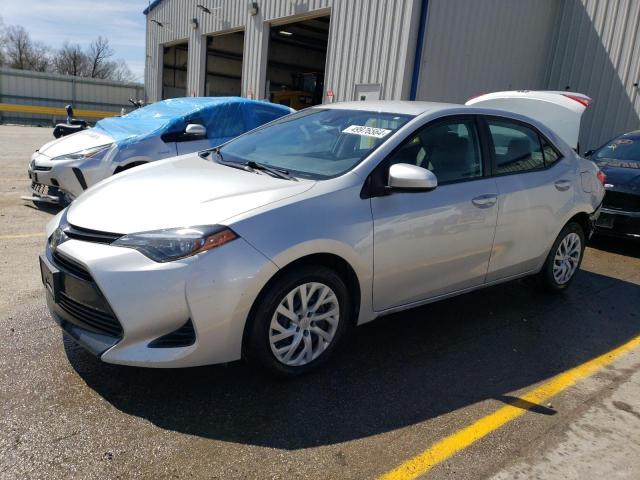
<point>516,147</point>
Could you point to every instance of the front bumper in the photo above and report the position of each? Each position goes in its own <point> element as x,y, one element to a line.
<point>52,184</point>
<point>618,223</point>
<point>78,306</point>
<point>61,181</point>
<point>214,290</point>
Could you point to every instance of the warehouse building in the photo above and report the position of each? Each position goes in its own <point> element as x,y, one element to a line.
<point>305,52</point>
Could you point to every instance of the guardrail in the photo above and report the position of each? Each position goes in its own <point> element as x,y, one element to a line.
<point>55,112</point>
<point>36,98</point>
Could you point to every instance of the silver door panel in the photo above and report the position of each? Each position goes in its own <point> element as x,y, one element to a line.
<point>533,208</point>
<point>431,243</point>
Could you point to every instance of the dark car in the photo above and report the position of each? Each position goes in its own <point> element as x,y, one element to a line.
<point>619,159</point>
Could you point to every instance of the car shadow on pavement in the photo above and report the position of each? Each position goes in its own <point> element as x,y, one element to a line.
<point>621,246</point>
<point>395,372</point>
<point>47,208</point>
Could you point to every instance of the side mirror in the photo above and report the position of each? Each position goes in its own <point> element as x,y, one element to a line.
<point>403,176</point>
<point>195,130</point>
<point>588,153</point>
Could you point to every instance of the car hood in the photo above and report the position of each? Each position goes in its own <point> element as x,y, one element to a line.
<point>75,142</point>
<point>177,192</point>
<point>622,175</point>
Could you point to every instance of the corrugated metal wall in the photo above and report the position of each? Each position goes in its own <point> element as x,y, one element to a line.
<point>22,87</point>
<point>597,52</point>
<point>369,41</point>
<point>473,47</point>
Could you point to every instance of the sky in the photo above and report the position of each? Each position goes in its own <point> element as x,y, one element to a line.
<point>81,21</point>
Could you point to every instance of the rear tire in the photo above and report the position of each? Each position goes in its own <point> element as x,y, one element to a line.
<point>299,321</point>
<point>564,259</point>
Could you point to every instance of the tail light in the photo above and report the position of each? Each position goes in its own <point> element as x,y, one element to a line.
<point>601,176</point>
<point>581,99</point>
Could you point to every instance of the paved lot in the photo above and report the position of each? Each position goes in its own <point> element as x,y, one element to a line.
<point>404,383</point>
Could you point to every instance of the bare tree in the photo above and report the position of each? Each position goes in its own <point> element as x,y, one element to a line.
<point>71,60</point>
<point>3,41</point>
<point>122,72</point>
<point>99,54</point>
<point>23,53</point>
<point>18,50</point>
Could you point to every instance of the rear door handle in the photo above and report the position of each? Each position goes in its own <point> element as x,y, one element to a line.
<point>485,201</point>
<point>563,185</point>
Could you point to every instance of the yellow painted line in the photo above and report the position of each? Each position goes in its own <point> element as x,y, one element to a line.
<point>22,235</point>
<point>58,112</point>
<point>449,446</point>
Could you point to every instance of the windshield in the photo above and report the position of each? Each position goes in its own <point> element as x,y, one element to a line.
<point>315,143</point>
<point>622,148</point>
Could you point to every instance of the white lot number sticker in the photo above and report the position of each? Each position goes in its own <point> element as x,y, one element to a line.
<point>367,131</point>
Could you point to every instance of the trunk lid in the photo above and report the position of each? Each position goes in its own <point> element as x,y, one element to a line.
<point>559,111</point>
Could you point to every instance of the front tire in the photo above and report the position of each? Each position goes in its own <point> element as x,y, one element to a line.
<point>299,321</point>
<point>564,259</point>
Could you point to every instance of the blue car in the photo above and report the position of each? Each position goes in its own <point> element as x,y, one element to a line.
<point>62,169</point>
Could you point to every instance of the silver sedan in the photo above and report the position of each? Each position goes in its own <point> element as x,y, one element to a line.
<point>275,245</point>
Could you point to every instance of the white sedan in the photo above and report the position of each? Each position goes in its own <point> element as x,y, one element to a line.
<point>62,169</point>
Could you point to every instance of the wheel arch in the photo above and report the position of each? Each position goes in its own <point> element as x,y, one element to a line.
<point>582,219</point>
<point>337,263</point>
<point>135,163</point>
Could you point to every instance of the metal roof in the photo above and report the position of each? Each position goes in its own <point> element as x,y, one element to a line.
<point>151,6</point>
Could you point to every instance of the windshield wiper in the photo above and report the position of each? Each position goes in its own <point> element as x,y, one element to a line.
<point>221,160</point>
<point>276,172</point>
<point>249,166</point>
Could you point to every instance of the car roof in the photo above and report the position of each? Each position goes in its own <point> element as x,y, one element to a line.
<point>634,134</point>
<point>213,101</point>
<point>393,106</point>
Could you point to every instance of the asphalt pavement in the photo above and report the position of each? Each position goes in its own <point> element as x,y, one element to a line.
<point>402,384</point>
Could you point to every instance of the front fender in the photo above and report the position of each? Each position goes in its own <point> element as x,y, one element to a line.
<point>337,223</point>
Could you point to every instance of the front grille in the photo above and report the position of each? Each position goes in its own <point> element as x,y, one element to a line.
<point>182,337</point>
<point>87,235</point>
<point>621,201</point>
<point>72,267</point>
<point>91,318</point>
<point>81,299</point>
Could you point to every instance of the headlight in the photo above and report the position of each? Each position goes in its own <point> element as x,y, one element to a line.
<point>86,153</point>
<point>175,243</point>
<point>59,235</point>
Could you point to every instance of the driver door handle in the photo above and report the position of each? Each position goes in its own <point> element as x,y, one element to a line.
<point>562,185</point>
<point>485,201</point>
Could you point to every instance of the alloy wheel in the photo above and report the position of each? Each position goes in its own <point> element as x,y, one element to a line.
<point>304,324</point>
<point>567,258</point>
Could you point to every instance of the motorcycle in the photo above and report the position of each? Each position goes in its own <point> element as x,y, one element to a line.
<point>74,125</point>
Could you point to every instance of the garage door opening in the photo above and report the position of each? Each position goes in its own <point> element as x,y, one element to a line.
<point>296,62</point>
<point>174,70</point>
<point>223,76</point>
